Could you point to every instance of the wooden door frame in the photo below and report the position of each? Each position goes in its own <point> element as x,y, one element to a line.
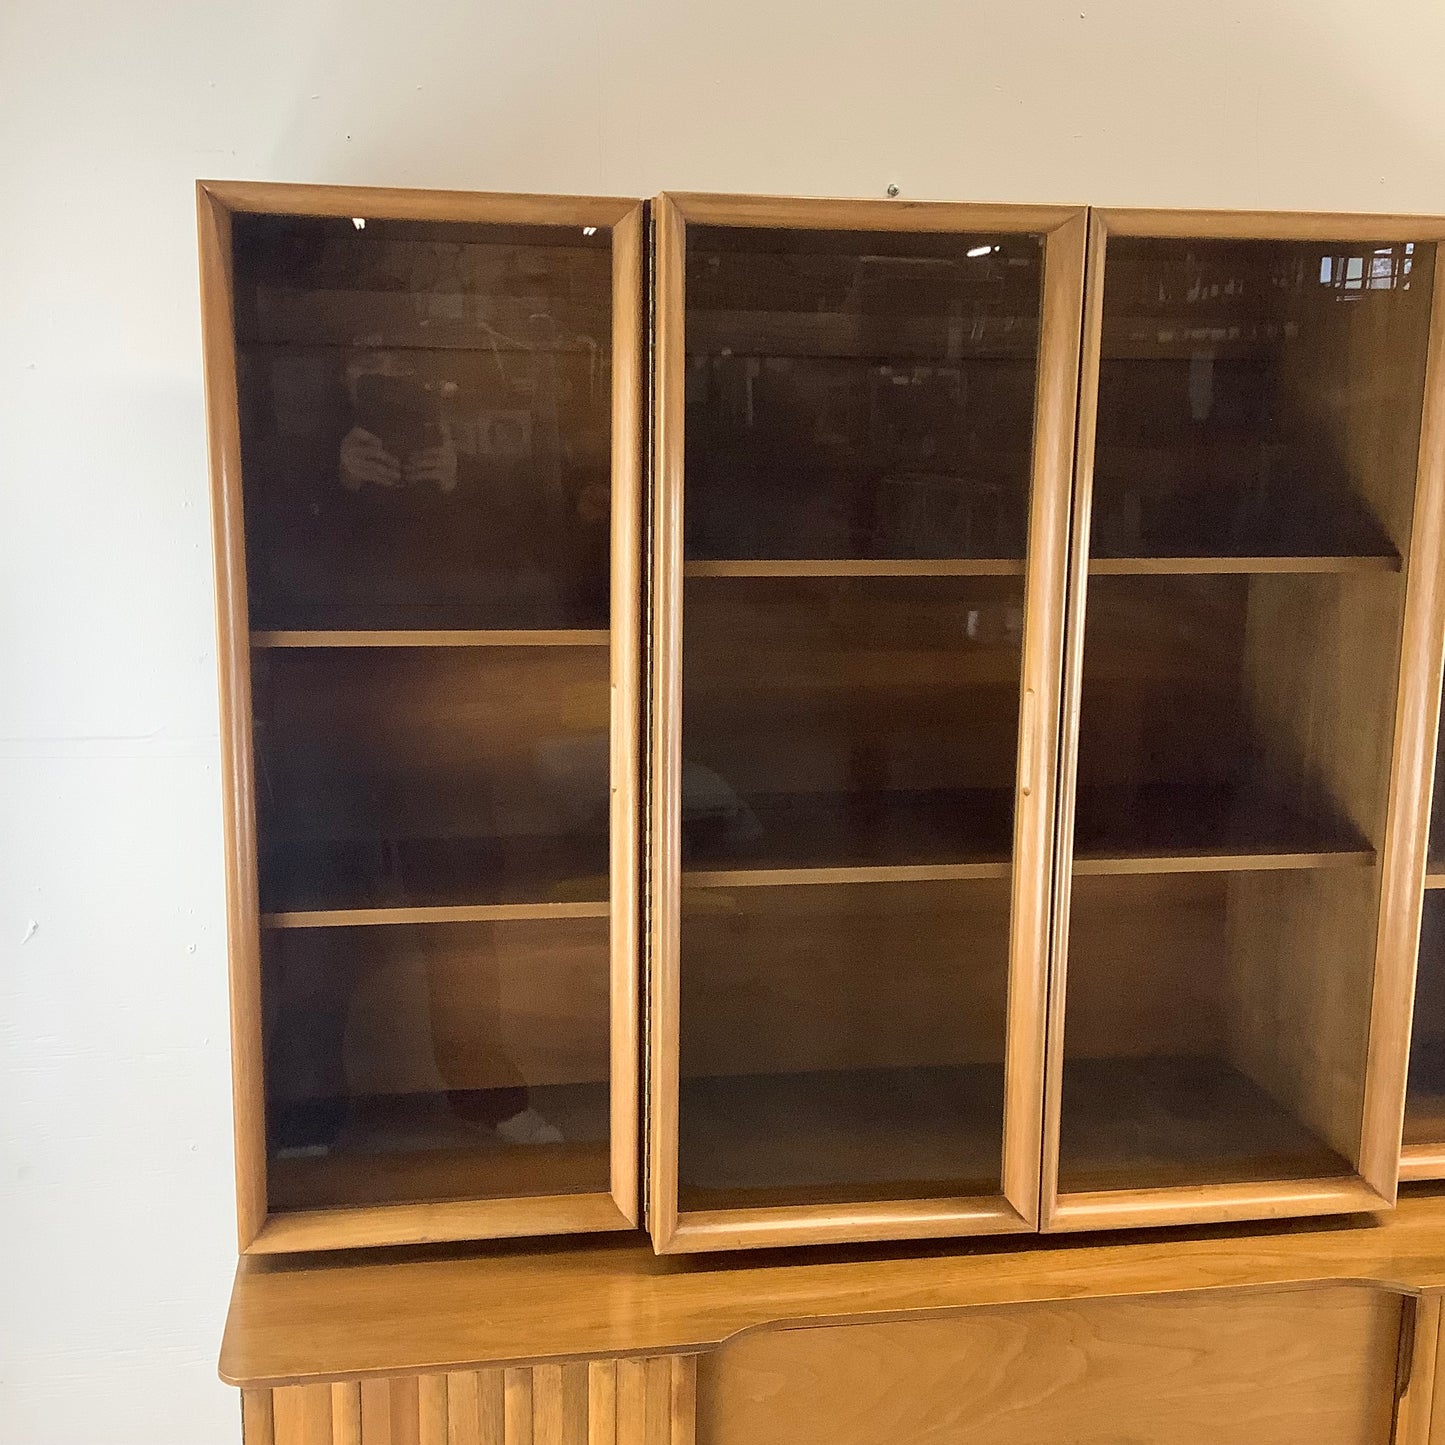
<point>1416,719</point>
<point>1015,1208</point>
<point>261,1230</point>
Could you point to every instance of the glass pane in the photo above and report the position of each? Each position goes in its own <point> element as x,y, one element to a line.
<point>1425,1100</point>
<point>859,426</point>
<point>832,722</point>
<point>859,395</point>
<point>448,1061</point>
<point>1203,712</point>
<point>1425,1097</point>
<point>425,416</point>
<point>1258,422</point>
<point>425,776</point>
<point>810,1077</point>
<point>1251,405</point>
<point>425,423</point>
<point>1200,1048</point>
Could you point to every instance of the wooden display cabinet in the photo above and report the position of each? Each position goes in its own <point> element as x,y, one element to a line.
<point>426,418</point>
<point>1251,676</point>
<point>864,418</point>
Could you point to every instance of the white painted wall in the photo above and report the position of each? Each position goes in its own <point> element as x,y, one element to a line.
<point>116,1242</point>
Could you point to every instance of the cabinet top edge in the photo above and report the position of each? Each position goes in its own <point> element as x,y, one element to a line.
<point>1244,225</point>
<point>406,204</point>
<point>838,213</point>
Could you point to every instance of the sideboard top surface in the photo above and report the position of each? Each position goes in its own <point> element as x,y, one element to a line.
<point>392,1312</point>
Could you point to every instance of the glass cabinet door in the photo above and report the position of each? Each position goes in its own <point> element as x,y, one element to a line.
<point>1423,1154</point>
<point>426,430</point>
<point>1236,820</point>
<point>864,422</point>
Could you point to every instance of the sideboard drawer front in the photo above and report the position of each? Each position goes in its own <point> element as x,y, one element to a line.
<point>1277,1367</point>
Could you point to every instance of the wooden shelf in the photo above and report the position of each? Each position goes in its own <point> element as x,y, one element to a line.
<point>440,637</point>
<point>756,1140</point>
<point>1191,566</point>
<point>843,837</point>
<point>870,1134</point>
<point>1096,866</point>
<point>1435,876</point>
<point>395,1149</point>
<point>857,567</point>
<point>1014,566</point>
<point>1141,1123</point>
<point>339,883</point>
<point>451,913</point>
<point>819,876</point>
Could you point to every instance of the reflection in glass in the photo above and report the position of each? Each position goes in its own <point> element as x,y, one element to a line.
<point>858,395</point>
<point>425,423</point>
<point>420,776</point>
<point>1246,396</point>
<point>1254,486</point>
<point>849,721</point>
<point>425,417</point>
<point>442,1061</point>
<point>859,427</point>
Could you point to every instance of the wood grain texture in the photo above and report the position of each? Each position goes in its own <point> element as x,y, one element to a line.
<point>860,873</point>
<point>1267,1368</point>
<point>602,1402</point>
<point>355,654</point>
<point>440,637</point>
<point>860,567</point>
<point>258,1417</point>
<point>862,215</point>
<point>1028,769</point>
<point>1261,1199</point>
<point>444,913</point>
<point>1314,983</point>
<point>431,1407</point>
<point>1070,697</point>
<point>1412,767</point>
<point>302,1415</point>
<point>609,1402</point>
<point>1037,763</point>
<point>238,782</point>
<point>346,1412</point>
<point>1435,1434</point>
<point>664,874</point>
<point>1417,1372</point>
<point>1271,225</point>
<point>293,1320</point>
<point>437,1223</point>
<point>782,1226</point>
<point>1422,1162</point>
<point>385,203</point>
<point>518,1409</point>
<point>625,766</point>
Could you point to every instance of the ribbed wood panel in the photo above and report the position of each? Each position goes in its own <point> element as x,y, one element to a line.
<point>604,1402</point>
